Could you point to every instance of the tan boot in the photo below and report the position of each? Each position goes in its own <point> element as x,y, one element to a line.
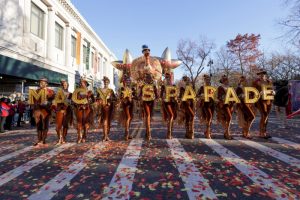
<point>45,133</point>
<point>187,130</point>
<point>79,136</point>
<point>59,135</point>
<point>170,129</point>
<point>40,138</point>
<point>65,132</point>
<point>148,133</point>
<point>207,134</point>
<point>169,134</point>
<point>126,135</point>
<point>105,134</point>
<point>192,132</point>
<point>227,135</point>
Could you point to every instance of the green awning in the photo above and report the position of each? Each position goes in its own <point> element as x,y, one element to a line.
<point>13,67</point>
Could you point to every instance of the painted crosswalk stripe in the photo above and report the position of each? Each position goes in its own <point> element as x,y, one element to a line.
<point>256,175</point>
<point>196,185</point>
<point>15,153</point>
<point>139,131</point>
<point>287,142</point>
<point>271,152</point>
<point>49,190</point>
<point>121,184</point>
<point>8,176</point>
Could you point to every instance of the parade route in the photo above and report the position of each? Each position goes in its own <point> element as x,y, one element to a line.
<point>177,168</point>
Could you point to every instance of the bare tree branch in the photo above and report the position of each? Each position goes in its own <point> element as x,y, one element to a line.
<point>194,56</point>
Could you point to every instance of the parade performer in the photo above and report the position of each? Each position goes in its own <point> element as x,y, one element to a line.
<point>148,95</point>
<point>146,64</point>
<point>206,108</point>
<point>41,100</point>
<point>169,103</point>
<point>187,106</point>
<point>64,113</point>
<point>127,94</point>
<point>264,104</point>
<point>245,110</point>
<point>106,98</point>
<point>83,98</point>
<point>224,111</point>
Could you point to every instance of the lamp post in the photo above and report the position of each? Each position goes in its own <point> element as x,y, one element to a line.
<point>209,64</point>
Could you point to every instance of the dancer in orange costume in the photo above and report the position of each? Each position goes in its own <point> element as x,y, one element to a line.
<point>169,105</point>
<point>107,97</point>
<point>83,111</point>
<point>42,111</point>
<point>245,111</point>
<point>63,113</point>
<point>148,95</point>
<point>224,111</point>
<point>206,108</point>
<point>264,106</point>
<point>127,94</point>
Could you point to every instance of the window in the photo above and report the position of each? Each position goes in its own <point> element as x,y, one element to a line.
<point>92,61</point>
<point>58,36</point>
<point>37,21</point>
<point>73,46</point>
<point>99,64</point>
<point>84,57</point>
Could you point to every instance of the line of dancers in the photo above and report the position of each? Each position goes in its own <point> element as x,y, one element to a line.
<point>178,104</point>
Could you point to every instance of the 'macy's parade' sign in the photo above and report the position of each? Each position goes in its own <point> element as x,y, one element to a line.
<point>251,94</point>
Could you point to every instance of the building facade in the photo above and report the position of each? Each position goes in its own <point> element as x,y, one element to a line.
<point>49,38</point>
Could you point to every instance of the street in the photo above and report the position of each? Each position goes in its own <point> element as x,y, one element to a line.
<point>160,169</point>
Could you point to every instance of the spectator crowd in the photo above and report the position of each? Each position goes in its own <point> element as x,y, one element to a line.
<point>14,113</point>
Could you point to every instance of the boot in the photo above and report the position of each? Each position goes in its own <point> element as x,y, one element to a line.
<point>45,132</point>
<point>85,132</point>
<point>127,135</point>
<point>187,130</point>
<point>246,133</point>
<point>266,136</point>
<point>79,136</point>
<point>148,133</point>
<point>40,138</point>
<point>207,133</point>
<point>169,134</point>
<point>262,133</point>
<point>65,132</point>
<point>105,134</point>
<point>227,135</point>
<point>192,133</point>
<point>170,127</point>
<point>60,137</point>
<point>84,135</point>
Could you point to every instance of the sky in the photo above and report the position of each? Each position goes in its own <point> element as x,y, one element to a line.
<point>162,23</point>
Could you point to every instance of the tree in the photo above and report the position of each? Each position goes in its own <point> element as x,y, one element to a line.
<point>292,22</point>
<point>281,66</point>
<point>225,61</point>
<point>244,49</point>
<point>194,56</point>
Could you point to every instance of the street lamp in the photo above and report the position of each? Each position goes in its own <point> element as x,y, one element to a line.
<point>209,64</point>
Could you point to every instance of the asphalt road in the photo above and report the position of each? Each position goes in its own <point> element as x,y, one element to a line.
<point>160,169</point>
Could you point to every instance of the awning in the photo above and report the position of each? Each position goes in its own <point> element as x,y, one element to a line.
<point>13,67</point>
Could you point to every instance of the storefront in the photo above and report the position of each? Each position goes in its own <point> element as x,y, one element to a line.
<point>15,75</point>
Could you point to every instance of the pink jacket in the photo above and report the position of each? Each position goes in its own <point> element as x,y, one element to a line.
<point>4,109</point>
